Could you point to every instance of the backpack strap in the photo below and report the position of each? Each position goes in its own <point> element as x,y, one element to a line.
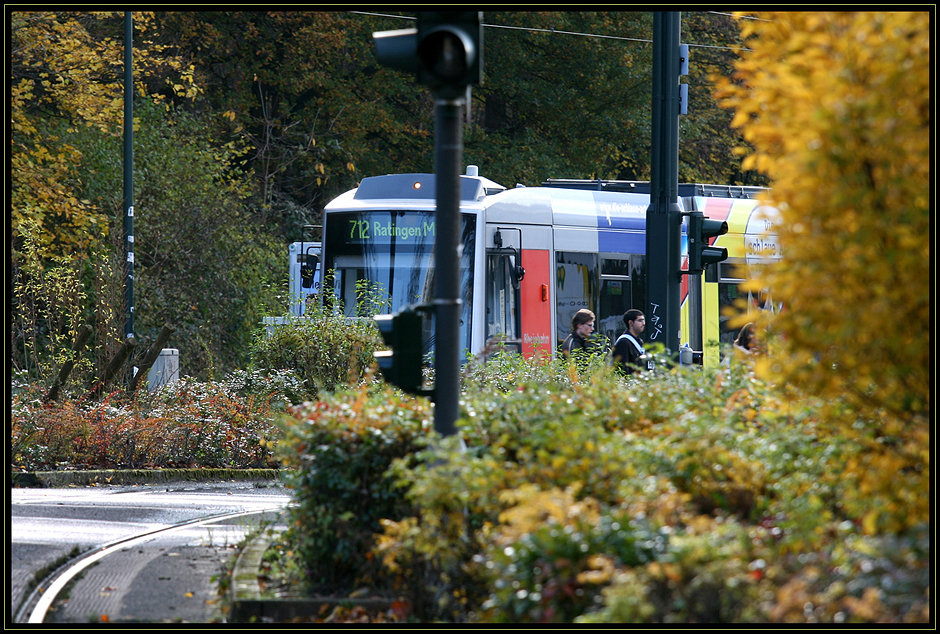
<point>632,339</point>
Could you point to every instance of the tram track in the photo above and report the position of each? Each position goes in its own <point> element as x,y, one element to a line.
<point>36,606</point>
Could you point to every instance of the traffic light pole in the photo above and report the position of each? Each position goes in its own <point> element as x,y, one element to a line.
<point>448,158</point>
<point>445,52</point>
<point>663,216</point>
<point>695,311</point>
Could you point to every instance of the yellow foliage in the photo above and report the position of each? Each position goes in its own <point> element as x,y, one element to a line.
<point>532,508</point>
<point>59,66</point>
<point>837,107</point>
<point>601,570</point>
<point>798,601</point>
<point>389,545</point>
<point>892,483</point>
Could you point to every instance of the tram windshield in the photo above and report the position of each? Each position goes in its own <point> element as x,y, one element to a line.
<point>383,261</point>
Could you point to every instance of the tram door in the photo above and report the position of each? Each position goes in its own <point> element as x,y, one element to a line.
<point>503,280</point>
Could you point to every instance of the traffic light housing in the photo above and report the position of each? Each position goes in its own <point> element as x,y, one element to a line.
<point>445,51</point>
<point>402,364</point>
<point>701,230</point>
<point>398,49</point>
<point>450,49</point>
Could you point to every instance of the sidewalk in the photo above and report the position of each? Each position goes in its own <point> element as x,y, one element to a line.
<point>176,579</point>
<point>172,578</point>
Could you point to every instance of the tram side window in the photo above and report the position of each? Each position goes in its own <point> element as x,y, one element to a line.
<point>616,296</point>
<point>731,297</point>
<point>576,284</point>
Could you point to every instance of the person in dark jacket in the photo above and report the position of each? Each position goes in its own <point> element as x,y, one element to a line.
<point>746,340</point>
<point>582,327</point>
<point>629,355</point>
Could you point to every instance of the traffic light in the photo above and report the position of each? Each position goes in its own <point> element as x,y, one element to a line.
<point>445,51</point>
<point>450,49</point>
<point>701,230</point>
<point>402,365</point>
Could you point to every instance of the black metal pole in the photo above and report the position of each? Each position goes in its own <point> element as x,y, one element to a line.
<point>663,216</point>
<point>695,311</point>
<point>129,172</point>
<point>448,157</point>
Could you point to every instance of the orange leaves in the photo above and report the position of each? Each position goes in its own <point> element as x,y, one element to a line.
<point>196,426</point>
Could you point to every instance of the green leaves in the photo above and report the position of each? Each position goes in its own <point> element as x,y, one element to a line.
<point>325,349</point>
<point>692,496</point>
<point>339,450</point>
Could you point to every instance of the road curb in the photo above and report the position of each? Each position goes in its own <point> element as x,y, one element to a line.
<point>249,605</point>
<point>97,477</point>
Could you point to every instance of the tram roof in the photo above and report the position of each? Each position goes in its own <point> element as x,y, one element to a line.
<point>643,187</point>
<point>422,187</point>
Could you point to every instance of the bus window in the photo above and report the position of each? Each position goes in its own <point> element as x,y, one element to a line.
<point>621,289</point>
<point>731,274</point>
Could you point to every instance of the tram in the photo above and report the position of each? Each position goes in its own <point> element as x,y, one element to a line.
<point>530,257</point>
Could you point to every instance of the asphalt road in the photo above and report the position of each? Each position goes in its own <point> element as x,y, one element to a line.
<point>163,576</point>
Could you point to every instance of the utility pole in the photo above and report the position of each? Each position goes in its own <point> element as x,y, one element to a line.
<point>664,216</point>
<point>129,173</point>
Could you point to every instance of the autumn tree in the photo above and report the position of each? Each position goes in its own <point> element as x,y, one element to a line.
<point>66,76</point>
<point>68,67</point>
<point>569,94</point>
<point>707,141</point>
<point>290,84</point>
<point>204,263</point>
<point>837,107</point>
<point>565,94</point>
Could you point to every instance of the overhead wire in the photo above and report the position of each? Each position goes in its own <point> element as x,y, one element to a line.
<point>561,32</point>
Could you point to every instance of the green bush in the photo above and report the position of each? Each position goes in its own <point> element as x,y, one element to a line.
<point>850,577</point>
<point>281,387</point>
<point>554,555</point>
<point>710,571</point>
<point>324,349</point>
<point>519,524</point>
<point>339,450</point>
